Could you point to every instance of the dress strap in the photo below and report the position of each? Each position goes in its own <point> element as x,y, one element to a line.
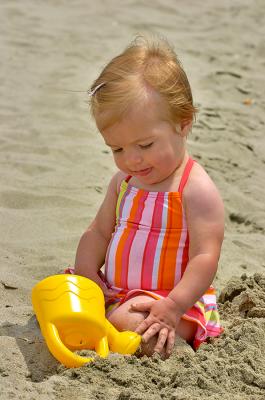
<point>185,175</point>
<point>128,177</point>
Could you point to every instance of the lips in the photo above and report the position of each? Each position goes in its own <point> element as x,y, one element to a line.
<point>142,172</point>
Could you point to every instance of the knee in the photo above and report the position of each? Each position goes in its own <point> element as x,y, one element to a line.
<point>126,321</point>
<point>130,322</point>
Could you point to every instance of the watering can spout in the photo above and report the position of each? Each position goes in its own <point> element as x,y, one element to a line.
<point>126,342</point>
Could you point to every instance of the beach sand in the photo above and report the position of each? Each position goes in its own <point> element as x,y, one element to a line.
<point>55,170</point>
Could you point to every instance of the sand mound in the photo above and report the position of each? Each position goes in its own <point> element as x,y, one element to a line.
<point>232,364</point>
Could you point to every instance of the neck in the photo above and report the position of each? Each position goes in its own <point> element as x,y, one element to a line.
<point>169,184</point>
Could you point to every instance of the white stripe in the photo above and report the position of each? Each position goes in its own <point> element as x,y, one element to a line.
<point>110,261</point>
<point>160,243</point>
<point>139,244</point>
<point>127,206</point>
<point>209,299</point>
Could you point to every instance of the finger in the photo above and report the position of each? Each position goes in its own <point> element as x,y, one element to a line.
<point>151,331</point>
<point>162,338</point>
<point>170,342</point>
<point>141,306</point>
<point>109,293</point>
<point>144,325</point>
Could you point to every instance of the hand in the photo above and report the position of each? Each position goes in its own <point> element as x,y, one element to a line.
<point>163,318</point>
<point>108,293</point>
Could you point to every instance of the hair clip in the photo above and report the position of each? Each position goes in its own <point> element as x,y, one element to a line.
<point>91,92</point>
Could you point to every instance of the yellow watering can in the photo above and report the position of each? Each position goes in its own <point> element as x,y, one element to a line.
<point>71,313</point>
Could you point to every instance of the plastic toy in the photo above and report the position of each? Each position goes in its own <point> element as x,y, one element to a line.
<point>71,313</point>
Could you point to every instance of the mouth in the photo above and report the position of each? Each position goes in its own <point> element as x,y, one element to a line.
<point>142,172</point>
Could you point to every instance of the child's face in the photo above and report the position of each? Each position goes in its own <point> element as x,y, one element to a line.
<point>145,145</point>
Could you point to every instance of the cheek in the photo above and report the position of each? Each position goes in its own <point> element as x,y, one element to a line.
<point>118,161</point>
<point>161,156</point>
<point>165,157</point>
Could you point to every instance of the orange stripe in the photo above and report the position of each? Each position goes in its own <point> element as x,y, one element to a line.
<point>173,244</point>
<point>211,290</point>
<point>167,267</point>
<point>123,239</point>
<point>164,247</point>
<point>164,260</point>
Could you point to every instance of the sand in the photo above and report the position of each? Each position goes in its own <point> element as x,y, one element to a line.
<point>55,170</point>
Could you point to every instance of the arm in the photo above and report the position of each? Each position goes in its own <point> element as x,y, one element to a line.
<point>205,220</point>
<point>92,248</point>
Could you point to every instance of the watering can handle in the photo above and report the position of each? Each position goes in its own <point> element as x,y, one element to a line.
<point>60,351</point>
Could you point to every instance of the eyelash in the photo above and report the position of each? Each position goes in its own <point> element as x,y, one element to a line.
<point>146,146</point>
<point>142,146</point>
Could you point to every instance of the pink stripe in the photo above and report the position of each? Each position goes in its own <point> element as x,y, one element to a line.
<point>216,328</point>
<point>129,241</point>
<point>151,244</point>
<point>208,304</point>
<point>185,175</point>
<point>157,218</point>
<point>182,241</point>
<point>185,255</point>
<point>139,244</point>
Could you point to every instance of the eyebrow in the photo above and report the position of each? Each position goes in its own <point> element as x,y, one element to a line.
<point>111,145</point>
<point>136,141</point>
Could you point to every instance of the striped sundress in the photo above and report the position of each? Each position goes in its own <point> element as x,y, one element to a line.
<point>149,252</point>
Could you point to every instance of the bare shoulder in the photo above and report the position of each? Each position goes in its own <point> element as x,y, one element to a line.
<point>105,218</point>
<point>116,181</point>
<point>204,212</point>
<point>201,194</point>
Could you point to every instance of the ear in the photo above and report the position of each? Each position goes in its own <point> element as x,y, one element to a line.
<point>184,128</point>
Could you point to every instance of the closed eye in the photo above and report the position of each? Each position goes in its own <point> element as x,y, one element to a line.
<point>146,146</point>
<point>116,150</point>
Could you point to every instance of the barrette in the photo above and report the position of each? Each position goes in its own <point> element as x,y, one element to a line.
<point>91,92</point>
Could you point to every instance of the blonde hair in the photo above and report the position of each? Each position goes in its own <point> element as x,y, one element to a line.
<point>146,64</point>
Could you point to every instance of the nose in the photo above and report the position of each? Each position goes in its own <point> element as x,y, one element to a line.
<point>133,158</point>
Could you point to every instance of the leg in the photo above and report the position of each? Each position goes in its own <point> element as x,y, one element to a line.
<point>123,319</point>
